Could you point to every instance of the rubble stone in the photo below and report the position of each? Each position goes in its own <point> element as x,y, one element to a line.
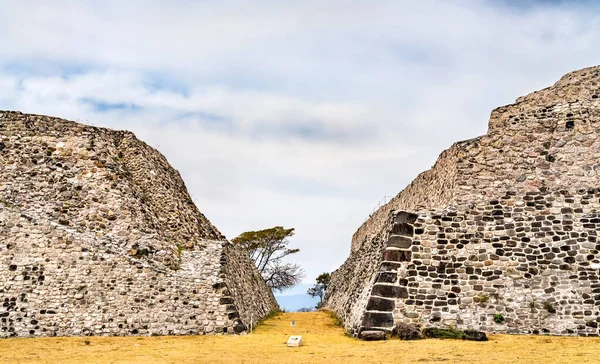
<point>503,229</point>
<point>99,236</point>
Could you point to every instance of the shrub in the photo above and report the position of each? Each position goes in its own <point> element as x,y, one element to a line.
<point>407,332</point>
<point>142,252</point>
<point>454,333</point>
<point>549,307</point>
<point>498,318</point>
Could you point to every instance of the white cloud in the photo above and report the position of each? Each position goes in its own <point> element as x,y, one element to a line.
<point>291,113</point>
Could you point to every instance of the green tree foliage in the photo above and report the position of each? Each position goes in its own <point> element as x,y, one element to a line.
<point>319,289</point>
<point>268,248</point>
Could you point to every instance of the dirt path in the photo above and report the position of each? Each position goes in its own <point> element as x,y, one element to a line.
<point>323,343</point>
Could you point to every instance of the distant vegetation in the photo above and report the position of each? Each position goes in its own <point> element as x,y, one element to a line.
<point>319,289</point>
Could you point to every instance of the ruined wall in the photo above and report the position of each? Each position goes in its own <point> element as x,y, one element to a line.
<point>536,142</point>
<point>350,285</point>
<point>98,236</point>
<point>538,162</point>
<point>248,290</point>
<point>432,188</point>
<point>532,259</point>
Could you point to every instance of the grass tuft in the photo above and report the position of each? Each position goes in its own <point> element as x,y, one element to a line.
<point>337,322</point>
<point>549,307</point>
<point>498,318</point>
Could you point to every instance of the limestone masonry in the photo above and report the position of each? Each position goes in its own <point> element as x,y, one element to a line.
<point>500,235</point>
<point>99,236</point>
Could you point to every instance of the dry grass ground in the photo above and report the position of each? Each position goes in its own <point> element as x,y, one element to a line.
<point>323,343</point>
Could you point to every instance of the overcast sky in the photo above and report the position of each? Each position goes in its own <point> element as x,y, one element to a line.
<point>296,113</point>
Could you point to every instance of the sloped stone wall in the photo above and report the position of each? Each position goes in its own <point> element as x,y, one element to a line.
<point>536,142</point>
<point>351,284</point>
<point>511,231</point>
<point>98,236</point>
<point>56,282</point>
<point>431,189</point>
<point>98,181</point>
<point>249,293</point>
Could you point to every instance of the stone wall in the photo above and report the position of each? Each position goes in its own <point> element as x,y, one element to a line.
<point>536,142</point>
<point>532,259</point>
<point>98,236</point>
<point>350,285</point>
<point>248,290</point>
<point>522,198</point>
<point>432,188</point>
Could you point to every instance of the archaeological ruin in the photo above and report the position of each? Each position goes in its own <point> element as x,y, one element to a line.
<point>99,236</point>
<point>500,235</point>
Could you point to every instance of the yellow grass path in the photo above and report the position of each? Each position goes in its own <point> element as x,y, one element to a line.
<point>323,343</point>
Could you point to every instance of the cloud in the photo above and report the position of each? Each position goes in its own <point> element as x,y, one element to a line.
<point>303,114</point>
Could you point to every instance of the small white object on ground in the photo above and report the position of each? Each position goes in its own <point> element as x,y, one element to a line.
<point>294,341</point>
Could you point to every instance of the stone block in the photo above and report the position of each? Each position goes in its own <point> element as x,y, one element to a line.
<point>389,291</point>
<point>294,341</point>
<point>389,266</point>
<point>380,304</point>
<point>474,335</point>
<point>404,217</point>
<point>372,335</point>
<point>394,255</point>
<point>225,300</point>
<point>378,319</point>
<point>387,277</point>
<point>397,241</point>
<point>403,229</point>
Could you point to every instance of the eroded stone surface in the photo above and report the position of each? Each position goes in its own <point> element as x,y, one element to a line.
<point>98,236</point>
<point>503,228</point>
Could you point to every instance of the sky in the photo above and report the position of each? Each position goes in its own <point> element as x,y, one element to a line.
<point>304,114</point>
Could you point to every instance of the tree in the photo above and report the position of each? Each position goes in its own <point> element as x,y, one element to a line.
<point>268,248</point>
<point>319,289</point>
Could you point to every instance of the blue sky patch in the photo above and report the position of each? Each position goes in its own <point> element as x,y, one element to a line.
<point>103,106</point>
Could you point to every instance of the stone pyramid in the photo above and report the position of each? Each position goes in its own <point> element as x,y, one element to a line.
<point>500,235</point>
<point>99,236</point>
